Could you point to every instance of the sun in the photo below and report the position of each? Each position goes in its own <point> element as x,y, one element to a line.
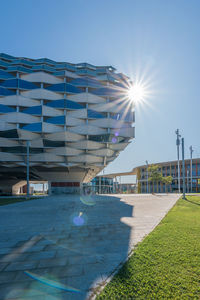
<point>136,92</point>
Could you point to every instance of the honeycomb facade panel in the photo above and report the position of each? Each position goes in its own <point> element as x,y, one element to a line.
<point>77,117</point>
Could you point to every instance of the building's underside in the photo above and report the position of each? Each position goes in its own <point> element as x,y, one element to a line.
<point>77,118</point>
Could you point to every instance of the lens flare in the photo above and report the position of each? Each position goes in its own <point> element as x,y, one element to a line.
<point>114,140</point>
<point>79,219</point>
<point>87,200</point>
<point>51,283</point>
<point>87,196</point>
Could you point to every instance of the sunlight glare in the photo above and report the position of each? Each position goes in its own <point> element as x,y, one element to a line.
<point>136,92</point>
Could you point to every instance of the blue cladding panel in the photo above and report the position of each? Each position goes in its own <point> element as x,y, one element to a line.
<point>11,83</point>
<point>65,104</point>
<point>6,109</point>
<point>43,68</point>
<point>123,116</point>
<point>64,87</point>
<point>60,120</point>
<point>73,105</point>
<point>5,92</point>
<point>128,116</point>
<point>34,110</point>
<point>86,82</point>
<point>4,55</point>
<point>5,75</point>
<point>19,69</point>
<point>116,116</point>
<point>72,89</point>
<point>60,87</point>
<point>3,63</point>
<point>34,127</point>
<point>94,114</point>
<point>106,92</point>
<point>26,85</point>
<point>57,103</point>
<point>18,83</point>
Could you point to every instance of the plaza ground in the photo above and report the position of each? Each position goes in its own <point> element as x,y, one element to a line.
<point>63,247</point>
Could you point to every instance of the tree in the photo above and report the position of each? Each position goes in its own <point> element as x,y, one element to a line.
<point>155,175</point>
<point>167,180</point>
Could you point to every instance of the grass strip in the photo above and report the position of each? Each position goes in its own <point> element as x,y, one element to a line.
<point>166,264</point>
<point>6,201</point>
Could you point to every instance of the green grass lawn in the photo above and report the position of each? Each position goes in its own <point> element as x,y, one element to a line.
<point>6,201</point>
<point>166,265</point>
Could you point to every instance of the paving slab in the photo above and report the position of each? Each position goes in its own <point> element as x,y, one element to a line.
<point>62,247</point>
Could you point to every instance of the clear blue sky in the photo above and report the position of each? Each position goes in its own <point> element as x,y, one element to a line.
<point>157,39</point>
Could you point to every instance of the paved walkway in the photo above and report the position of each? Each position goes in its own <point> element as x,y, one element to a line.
<point>61,247</point>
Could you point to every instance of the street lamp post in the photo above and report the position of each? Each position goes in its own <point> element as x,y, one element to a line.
<point>178,144</point>
<point>27,167</point>
<point>187,181</point>
<point>191,151</point>
<point>147,176</point>
<point>183,167</point>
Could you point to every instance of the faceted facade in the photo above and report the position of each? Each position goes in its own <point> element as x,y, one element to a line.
<point>77,118</point>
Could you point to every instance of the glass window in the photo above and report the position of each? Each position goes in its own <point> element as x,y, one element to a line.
<point>48,143</point>
<point>106,138</point>
<point>21,149</point>
<point>13,134</point>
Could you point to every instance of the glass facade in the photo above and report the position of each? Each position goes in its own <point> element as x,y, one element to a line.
<point>172,170</point>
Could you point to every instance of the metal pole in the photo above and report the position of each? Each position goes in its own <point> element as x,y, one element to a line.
<point>178,144</point>
<point>99,185</point>
<point>191,151</point>
<point>187,181</point>
<point>183,168</point>
<point>27,168</point>
<point>147,176</point>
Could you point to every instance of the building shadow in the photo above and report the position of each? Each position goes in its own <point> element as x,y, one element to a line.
<point>193,202</point>
<point>77,242</point>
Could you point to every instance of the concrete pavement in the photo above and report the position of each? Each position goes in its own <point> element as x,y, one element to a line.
<point>62,247</point>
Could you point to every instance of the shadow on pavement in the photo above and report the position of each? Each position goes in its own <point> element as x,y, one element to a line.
<point>60,246</point>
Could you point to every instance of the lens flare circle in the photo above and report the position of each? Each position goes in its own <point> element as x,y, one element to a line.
<point>87,200</point>
<point>51,283</point>
<point>78,219</point>
<point>87,197</point>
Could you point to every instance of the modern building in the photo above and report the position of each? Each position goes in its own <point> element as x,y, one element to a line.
<point>77,118</point>
<point>103,184</point>
<point>170,168</point>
